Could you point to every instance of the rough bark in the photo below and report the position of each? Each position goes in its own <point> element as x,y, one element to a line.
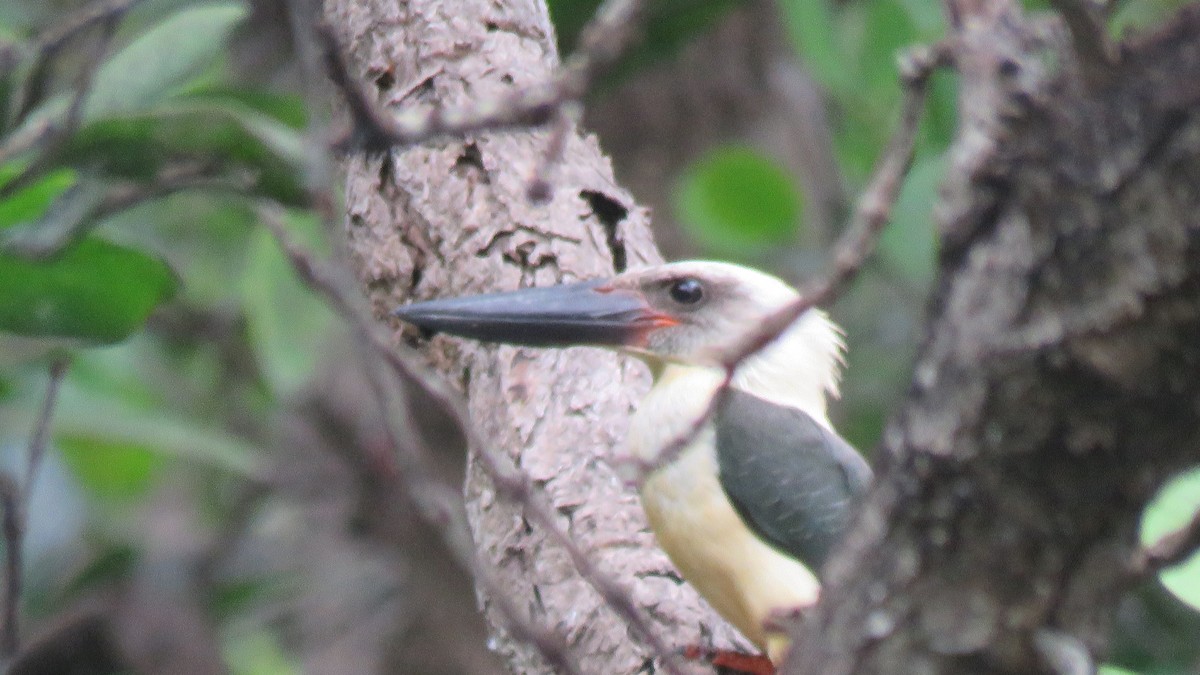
<point>1056,388</point>
<point>452,217</point>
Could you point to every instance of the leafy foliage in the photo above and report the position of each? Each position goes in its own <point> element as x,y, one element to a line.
<point>164,60</point>
<point>95,290</point>
<point>737,201</point>
<point>1174,508</point>
<point>157,162</point>
<point>192,341</point>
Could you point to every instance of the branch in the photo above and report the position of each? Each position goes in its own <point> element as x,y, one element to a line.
<point>984,452</point>
<point>14,498</point>
<point>25,139</point>
<point>13,530</point>
<point>510,482</point>
<point>1169,551</point>
<point>541,189</point>
<point>374,128</point>
<point>439,505</point>
<point>52,40</point>
<point>47,140</point>
<point>1063,653</point>
<point>1097,54</point>
<point>851,252</point>
<point>41,432</point>
<point>85,204</point>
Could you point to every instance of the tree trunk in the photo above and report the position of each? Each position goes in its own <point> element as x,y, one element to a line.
<point>452,217</point>
<point>1056,389</point>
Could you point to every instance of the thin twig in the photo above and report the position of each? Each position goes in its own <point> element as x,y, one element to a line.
<point>86,203</point>
<point>510,482</point>
<point>541,189</point>
<point>851,252</point>
<point>58,133</point>
<point>54,37</point>
<point>15,500</point>
<point>232,530</point>
<point>1169,551</point>
<point>41,432</point>
<point>13,530</point>
<point>440,506</point>
<point>25,139</point>
<point>1063,653</point>
<point>375,128</point>
<point>52,40</point>
<point>1095,50</point>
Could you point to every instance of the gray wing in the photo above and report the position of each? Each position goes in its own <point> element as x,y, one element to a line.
<point>792,481</point>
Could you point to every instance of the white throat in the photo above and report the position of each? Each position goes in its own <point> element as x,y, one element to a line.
<point>801,369</point>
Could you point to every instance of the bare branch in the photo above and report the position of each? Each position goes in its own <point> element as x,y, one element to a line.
<point>25,139</point>
<point>540,188</point>
<point>1063,653</point>
<point>14,531</point>
<point>83,206</point>
<point>1095,50</point>
<point>41,432</point>
<point>375,128</point>
<point>14,498</point>
<point>872,213</point>
<point>439,503</point>
<point>55,37</point>
<point>514,484</point>
<point>1171,550</point>
<point>47,142</point>
<point>851,252</point>
<point>510,482</point>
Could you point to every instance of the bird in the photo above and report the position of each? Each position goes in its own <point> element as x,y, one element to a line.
<point>751,507</point>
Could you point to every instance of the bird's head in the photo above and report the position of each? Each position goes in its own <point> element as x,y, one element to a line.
<point>693,312</point>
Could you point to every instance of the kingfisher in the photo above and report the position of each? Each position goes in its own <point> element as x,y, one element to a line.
<point>751,507</point>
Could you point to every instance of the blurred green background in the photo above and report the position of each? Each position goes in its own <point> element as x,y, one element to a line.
<point>129,244</point>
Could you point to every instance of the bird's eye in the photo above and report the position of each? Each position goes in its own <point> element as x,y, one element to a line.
<point>687,291</point>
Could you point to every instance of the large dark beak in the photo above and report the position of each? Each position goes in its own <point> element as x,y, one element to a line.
<point>587,313</point>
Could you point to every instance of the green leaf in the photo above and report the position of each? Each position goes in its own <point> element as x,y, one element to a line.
<point>286,108</point>
<point>941,118</point>
<point>225,132</point>
<point>96,291</point>
<point>927,17</point>
<point>813,29</point>
<point>908,243</point>
<point>163,60</point>
<point>288,324</point>
<point>110,469</point>
<point>32,201</point>
<point>735,200</point>
<point>256,652</point>
<point>111,565</point>
<point>237,595</point>
<point>888,29</point>
<point>103,421</point>
<point>1172,509</point>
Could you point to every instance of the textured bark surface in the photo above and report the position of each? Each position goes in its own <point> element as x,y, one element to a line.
<point>1056,389</point>
<point>451,217</point>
